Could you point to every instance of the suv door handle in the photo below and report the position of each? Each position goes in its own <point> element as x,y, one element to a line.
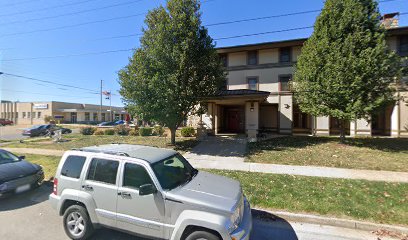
<point>87,188</point>
<point>125,194</point>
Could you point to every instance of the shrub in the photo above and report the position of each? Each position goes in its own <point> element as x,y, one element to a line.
<point>134,132</point>
<point>110,131</point>
<point>99,132</point>
<point>122,130</point>
<point>145,131</point>
<point>158,130</point>
<point>187,132</point>
<point>88,130</point>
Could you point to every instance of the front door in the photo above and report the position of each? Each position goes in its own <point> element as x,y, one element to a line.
<point>101,184</point>
<point>233,121</point>
<point>73,117</point>
<point>143,215</point>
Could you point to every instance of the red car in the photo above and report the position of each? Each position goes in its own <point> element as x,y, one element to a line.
<point>4,122</point>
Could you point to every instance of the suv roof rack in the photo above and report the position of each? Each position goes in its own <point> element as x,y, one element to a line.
<point>101,151</point>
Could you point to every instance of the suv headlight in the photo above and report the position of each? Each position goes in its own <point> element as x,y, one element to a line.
<point>234,220</point>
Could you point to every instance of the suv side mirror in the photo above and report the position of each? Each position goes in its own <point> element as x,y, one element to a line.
<point>21,157</point>
<point>147,189</point>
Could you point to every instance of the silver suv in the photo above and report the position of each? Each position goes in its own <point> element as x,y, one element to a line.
<point>149,192</point>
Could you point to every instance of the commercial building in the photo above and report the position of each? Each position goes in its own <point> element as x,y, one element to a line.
<point>26,113</point>
<point>258,98</point>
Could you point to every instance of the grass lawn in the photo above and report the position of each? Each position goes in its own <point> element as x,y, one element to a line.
<point>363,200</point>
<point>387,154</point>
<point>354,199</point>
<point>79,140</point>
<point>49,163</point>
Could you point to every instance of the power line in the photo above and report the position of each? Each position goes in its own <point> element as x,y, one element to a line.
<point>50,82</point>
<point>18,3</point>
<point>48,8</point>
<point>71,14</point>
<point>69,55</point>
<point>4,90</point>
<point>71,26</point>
<point>263,33</point>
<point>89,91</point>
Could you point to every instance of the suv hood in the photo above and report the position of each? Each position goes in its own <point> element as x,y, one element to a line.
<point>10,171</point>
<point>210,191</point>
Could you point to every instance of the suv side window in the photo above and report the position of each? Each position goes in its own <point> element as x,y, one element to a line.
<point>135,176</point>
<point>73,166</point>
<point>102,170</point>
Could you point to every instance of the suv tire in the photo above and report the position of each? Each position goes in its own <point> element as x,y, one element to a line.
<point>77,224</point>
<point>200,235</point>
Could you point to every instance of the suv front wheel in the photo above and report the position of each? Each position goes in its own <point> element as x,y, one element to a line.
<point>202,235</point>
<point>77,224</point>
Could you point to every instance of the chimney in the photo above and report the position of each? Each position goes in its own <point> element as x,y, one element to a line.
<point>390,20</point>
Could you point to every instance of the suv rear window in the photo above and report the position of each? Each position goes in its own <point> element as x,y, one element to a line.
<point>73,166</point>
<point>102,170</point>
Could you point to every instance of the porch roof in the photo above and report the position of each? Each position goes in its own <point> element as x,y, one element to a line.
<point>239,94</point>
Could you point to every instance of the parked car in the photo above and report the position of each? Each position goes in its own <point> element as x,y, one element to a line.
<point>146,191</point>
<point>120,122</point>
<point>104,124</point>
<point>4,122</point>
<point>18,175</point>
<point>42,130</point>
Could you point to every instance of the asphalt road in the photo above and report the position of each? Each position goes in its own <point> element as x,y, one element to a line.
<point>12,132</point>
<point>29,216</point>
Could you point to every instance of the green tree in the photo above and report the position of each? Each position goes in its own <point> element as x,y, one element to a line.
<point>175,66</point>
<point>345,69</point>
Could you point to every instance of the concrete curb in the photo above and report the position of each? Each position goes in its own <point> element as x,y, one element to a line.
<point>336,222</point>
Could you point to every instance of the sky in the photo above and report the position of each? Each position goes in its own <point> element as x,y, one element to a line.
<point>78,43</point>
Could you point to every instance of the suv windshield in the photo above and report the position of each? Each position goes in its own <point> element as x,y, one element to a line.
<point>173,172</point>
<point>6,157</point>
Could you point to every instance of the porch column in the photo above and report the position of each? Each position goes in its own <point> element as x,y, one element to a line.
<point>251,119</point>
<point>285,114</point>
<point>395,120</point>
<point>353,128</point>
<point>216,118</point>
<point>363,128</point>
<point>322,126</point>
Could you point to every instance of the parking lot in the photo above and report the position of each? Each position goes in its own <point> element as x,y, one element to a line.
<point>12,132</point>
<point>29,216</point>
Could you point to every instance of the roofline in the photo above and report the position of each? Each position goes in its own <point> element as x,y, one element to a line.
<point>293,42</point>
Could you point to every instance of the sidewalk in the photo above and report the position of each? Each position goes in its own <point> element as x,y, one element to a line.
<point>237,163</point>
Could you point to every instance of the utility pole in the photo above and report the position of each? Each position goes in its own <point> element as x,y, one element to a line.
<point>110,103</point>
<point>100,107</point>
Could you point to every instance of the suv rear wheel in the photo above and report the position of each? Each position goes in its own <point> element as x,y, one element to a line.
<point>77,224</point>
<point>202,235</point>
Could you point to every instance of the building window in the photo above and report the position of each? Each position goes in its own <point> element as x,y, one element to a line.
<point>28,114</point>
<point>224,59</point>
<point>16,114</point>
<point>87,116</point>
<point>24,114</point>
<point>403,45</point>
<point>300,119</point>
<point>38,114</point>
<point>284,55</point>
<point>252,58</point>
<point>95,117</point>
<point>284,81</point>
<point>103,117</point>
<point>253,83</point>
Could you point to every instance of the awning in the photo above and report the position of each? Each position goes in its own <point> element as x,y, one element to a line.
<point>239,94</point>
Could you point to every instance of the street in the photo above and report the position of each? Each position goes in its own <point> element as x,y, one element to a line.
<point>29,216</point>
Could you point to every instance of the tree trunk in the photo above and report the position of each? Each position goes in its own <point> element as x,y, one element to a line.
<point>342,131</point>
<point>173,136</point>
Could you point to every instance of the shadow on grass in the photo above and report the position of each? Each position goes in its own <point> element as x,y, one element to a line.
<point>290,143</point>
<point>185,145</point>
